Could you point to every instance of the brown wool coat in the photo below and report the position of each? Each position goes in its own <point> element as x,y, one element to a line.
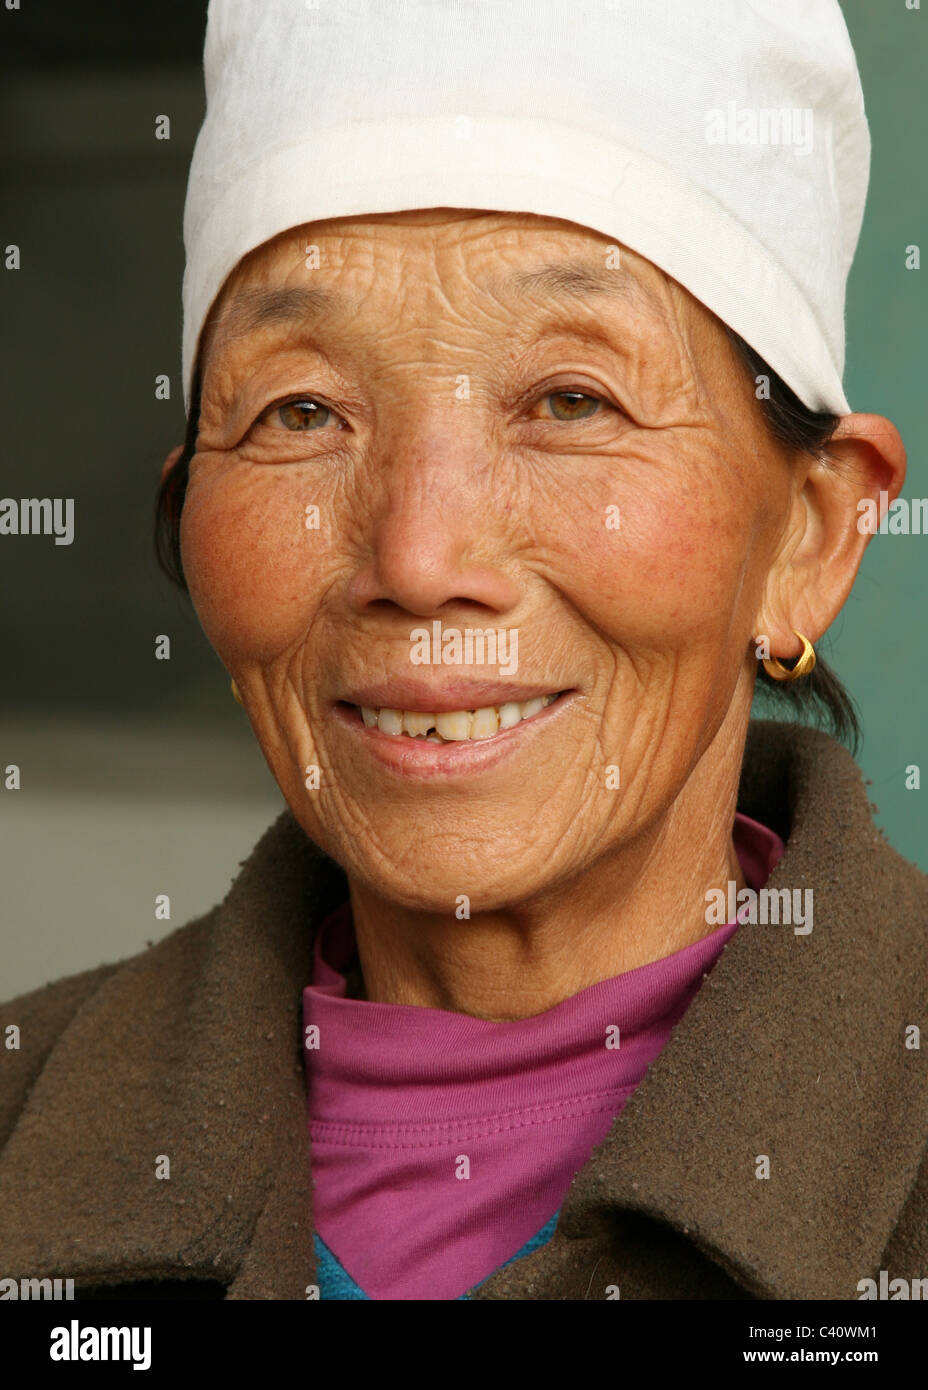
<point>794,1048</point>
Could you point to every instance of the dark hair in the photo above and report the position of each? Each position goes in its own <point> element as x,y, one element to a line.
<point>817,698</point>
<point>169,502</point>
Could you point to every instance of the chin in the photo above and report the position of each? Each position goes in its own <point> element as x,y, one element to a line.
<point>441,883</point>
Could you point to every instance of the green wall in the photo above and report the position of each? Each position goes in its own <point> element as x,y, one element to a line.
<point>878,643</point>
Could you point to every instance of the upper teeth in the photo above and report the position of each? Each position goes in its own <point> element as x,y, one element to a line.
<point>456,724</point>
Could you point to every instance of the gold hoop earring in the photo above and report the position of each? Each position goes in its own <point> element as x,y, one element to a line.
<point>235,692</point>
<point>804,664</point>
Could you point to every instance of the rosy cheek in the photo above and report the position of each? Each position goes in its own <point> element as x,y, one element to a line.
<point>668,565</point>
<point>248,564</point>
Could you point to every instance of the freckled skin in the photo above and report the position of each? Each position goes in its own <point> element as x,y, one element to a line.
<point>490,512</point>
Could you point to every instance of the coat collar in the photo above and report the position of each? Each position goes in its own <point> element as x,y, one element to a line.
<point>190,1051</point>
<point>792,1049</point>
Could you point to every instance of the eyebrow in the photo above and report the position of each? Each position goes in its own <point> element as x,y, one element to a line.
<point>252,310</point>
<point>576,280</point>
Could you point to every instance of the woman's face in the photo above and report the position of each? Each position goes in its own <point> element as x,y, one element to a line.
<point>501,429</point>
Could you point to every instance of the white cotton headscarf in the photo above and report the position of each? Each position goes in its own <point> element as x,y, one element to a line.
<point>723,140</point>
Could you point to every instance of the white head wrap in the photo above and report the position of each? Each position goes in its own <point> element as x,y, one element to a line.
<point>723,140</point>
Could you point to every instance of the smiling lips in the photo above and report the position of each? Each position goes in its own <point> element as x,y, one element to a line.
<point>453,726</point>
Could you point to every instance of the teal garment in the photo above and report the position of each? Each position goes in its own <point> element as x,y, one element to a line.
<point>336,1282</point>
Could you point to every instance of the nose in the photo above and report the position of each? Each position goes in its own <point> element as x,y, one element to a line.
<point>437,527</point>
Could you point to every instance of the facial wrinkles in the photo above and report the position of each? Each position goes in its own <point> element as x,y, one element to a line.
<point>453,329</point>
<point>413,394</point>
<point>739,448</point>
<point>622,616</point>
<point>720,451</point>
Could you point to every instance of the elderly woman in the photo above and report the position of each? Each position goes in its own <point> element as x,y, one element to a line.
<point>516,452</point>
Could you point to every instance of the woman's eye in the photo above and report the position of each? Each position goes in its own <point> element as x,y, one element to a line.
<point>571,405</point>
<point>308,414</point>
<point>304,414</point>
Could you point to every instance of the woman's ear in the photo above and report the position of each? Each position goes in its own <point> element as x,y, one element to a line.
<point>863,466</point>
<point>873,444</point>
<point>170,461</point>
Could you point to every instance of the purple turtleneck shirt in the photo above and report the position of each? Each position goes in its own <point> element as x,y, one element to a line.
<point>442,1143</point>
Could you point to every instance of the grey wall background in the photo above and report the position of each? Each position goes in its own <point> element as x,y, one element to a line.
<point>142,776</point>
